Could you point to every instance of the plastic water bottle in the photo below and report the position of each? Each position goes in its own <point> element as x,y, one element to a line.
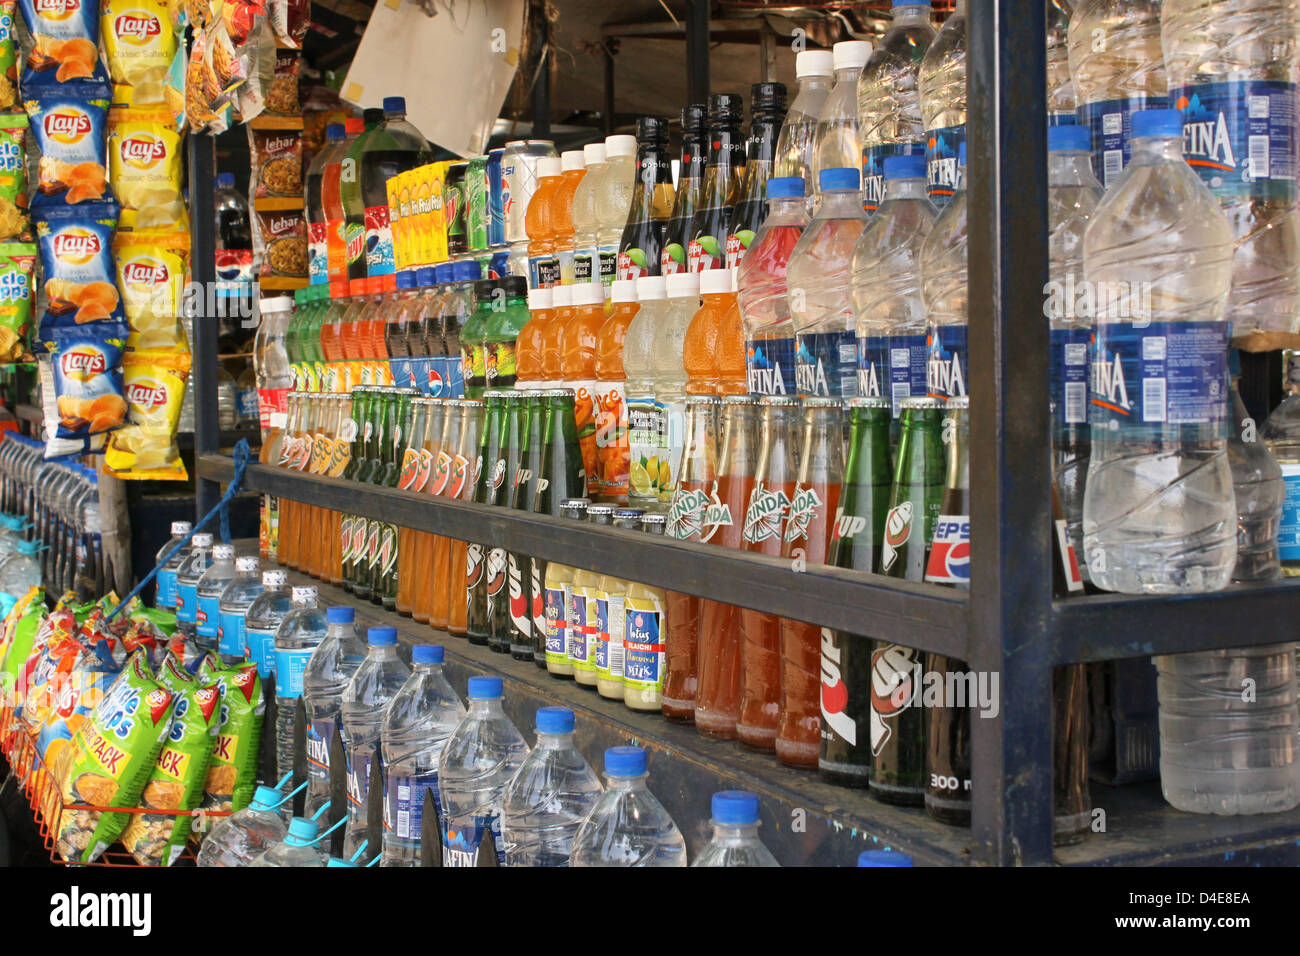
<point>886,283</point>
<point>817,281</point>
<point>1118,69</point>
<point>187,583</point>
<point>837,144</point>
<point>889,101</point>
<point>1281,433</point>
<point>1233,71</point>
<point>297,849</point>
<point>263,620</point>
<point>1060,86</point>
<point>1259,490</point>
<point>479,759</point>
<point>944,295</point>
<point>420,718</point>
<point>942,86</point>
<point>365,699</point>
<point>628,826</point>
<point>1158,513</point>
<point>21,569</point>
<point>1072,197</point>
<point>165,580</point>
<point>208,593</point>
<point>238,839</point>
<point>735,832</point>
<point>239,595</point>
<point>549,797</point>
<point>299,633</point>
<point>328,671</point>
<point>798,138</point>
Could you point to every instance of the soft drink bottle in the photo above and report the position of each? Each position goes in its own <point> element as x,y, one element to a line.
<point>611,403</point>
<point>543,263</point>
<point>886,279</point>
<point>613,201</point>
<point>1158,515</point>
<point>350,198</point>
<point>451,477</point>
<point>459,306</point>
<point>669,370</point>
<point>232,607</point>
<point>775,475</point>
<point>207,594</point>
<point>579,596</point>
<point>263,620</point>
<point>813,70</point>
<point>240,838</point>
<point>546,801</point>
<point>817,280</point>
<point>574,169</point>
<point>690,181</point>
<point>889,104</point>
<point>479,759</point>
<point>553,337</point>
<point>723,180</point>
<point>578,369</point>
<point>463,484</point>
<point>652,201</point>
<point>299,634</point>
<point>735,833</point>
<point>299,847</point>
<point>165,581</point>
<point>702,344</point>
<point>528,347</point>
<point>645,431</point>
<point>187,582</point>
<point>761,290</point>
<point>838,145</point>
<point>1118,68</point>
<point>586,255</point>
<point>508,317</point>
<point>767,106</point>
<point>394,147</point>
<point>944,296</point>
<point>336,251</point>
<point>941,83</point>
<point>489,477</point>
<point>417,724</point>
<point>502,482</point>
<point>234,247</point>
<point>317,230</point>
<point>416,472</point>
<point>1061,105</point>
<point>628,826</point>
<point>328,671</point>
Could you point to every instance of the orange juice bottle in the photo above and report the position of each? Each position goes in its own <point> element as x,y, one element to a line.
<point>539,223</point>
<point>573,167</point>
<point>553,336</point>
<point>531,341</point>
<point>331,343</point>
<point>700,347</point>
<point>350,334</point>
<point>611,402</point>
<point>578,364</point>
<point>733,375</point>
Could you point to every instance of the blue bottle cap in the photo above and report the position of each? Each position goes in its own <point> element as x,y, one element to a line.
<point>785,187</point>
<point>883,858</point>
<point>406,279</point>
<point>905,167</point>
<point>340,615</point>
<point>335,861</point>
<point>302,831</point>
<point>444,273</point>
<point>554,720</point>
<point>485,688</point>
<point>225,179</point>
<point>961,155</point>
<point>427,654</point>
<point>394,104</point>
<point>468,271</point>
<point>1069,139</point>
<point>845,178</point>
<point>735,807</point>
<point>265,798</point>
<point>1157,123</point>
<point>381,636</point>
<point>426,276</point>
<point>895,4</point>
<point>335,131</point>
<point>625,761</point>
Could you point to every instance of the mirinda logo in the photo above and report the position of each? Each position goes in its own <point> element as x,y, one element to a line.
<point>83,363</point>
<point>143,151</point>
<point>67,125</point>
<point>145,271</point>
<point>76,246</point>
<point>146,394</point>
<point>136,27</point>
<point>57,9</point>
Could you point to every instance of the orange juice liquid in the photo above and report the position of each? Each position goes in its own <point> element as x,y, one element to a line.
<point>553,340</point>
<point>529,348</point>
<point>539,224</point>
<point>440,591</point>
<point>405,570</point>
<point>578,365</point>
<point>700,347</point>
<point>562,218</point>
<point>612,453</point>
<point>733,377</point>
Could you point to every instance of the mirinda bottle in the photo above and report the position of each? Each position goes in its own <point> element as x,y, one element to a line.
<point>612,450</point>
<point>578,364</point>
<point>350,335</point>
<point>573,168</point>
<point>539,223</point>
<point>700,347</point>
<point>331,342</point>
<point>531,342</point>
<point>553,336</point>
<point>382,293</point>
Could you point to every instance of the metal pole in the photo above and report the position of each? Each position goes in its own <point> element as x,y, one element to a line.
<point>608,48</point>
<point>203,271</point>
<point>1011,577</point>
<point>697,51</point>
<point>542,88</point>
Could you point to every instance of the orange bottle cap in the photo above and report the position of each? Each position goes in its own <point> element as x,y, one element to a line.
<point>356,287</point>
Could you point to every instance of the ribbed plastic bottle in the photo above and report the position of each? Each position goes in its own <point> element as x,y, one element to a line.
<point>941,83</point>
<point>735,841</point>
<point>329,669</point>
<point>240,838</point>
<point>628,826</point>
<point>208,595</point>
<point>298,635</point>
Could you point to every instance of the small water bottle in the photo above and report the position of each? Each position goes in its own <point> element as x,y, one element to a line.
<point>480,758</point>
<point>263,620</point>
<point>628,826</point>
<point>330,668</point>
<point>165,580</point>
<point>419,720</point>
<point>238,839</point>
<point>297,849</point>
<point>735,833</point>
<point>299,633</point>
<point>1259,492</point>
<point>232,607</point>
<point>187,583</point>
<point>208,595</point>
<point>549,797</point>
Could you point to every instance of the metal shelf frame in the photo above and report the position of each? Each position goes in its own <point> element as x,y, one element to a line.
<point>1009,622</point>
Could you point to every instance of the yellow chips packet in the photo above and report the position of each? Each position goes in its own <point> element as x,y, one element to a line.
<point>155,388</point>
<point>151,271</point>
<point>144,163</point>
<point>139,39</point>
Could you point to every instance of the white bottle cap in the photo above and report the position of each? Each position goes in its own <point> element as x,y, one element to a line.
<point>223,552</point>
<point>201,540</point>
<point>593,153</point>
<point>245,564</point>
<point>623,290</point>
<point>539,299</point>
<point>683,284</point>
<point>620,145</point>
<point>712,281</point>
<point>561,296</point>
<point>850,53</point>
<point>181,527</point>
<point>273,579</point>
<point>549,166</point>
<point>304,595</point>
<point>588,293</point>
<point>281,303</point>
<point>572,159</point>
<point>814,63</point>
<point>649,288</point>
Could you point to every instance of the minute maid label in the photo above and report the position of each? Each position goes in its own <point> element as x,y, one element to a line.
<point>1240,136</point>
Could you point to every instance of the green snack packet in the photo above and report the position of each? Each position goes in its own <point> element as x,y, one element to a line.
<point>19,647</point>
<point>17,262</point>
<point>173,676</point>
<point>232,774</point>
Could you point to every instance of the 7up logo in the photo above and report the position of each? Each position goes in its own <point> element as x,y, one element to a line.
<point>803,509</point>
<point>898,528</point>
<point>763,517</point>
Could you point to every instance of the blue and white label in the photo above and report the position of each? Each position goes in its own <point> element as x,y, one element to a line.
<point>827,364</point>
<point>289,668</point>
<point>1111,124</point>
<point>230,635</point>
<point>1165,374</point>
<point>460,843</point>
<point>556,624</point>
<point>946,369</point>
<point>404,803</point>
<point>187,603</point>
<point>942,146</point>
<point>643,661</point>
<point>1240,135</point>
<point>873,366</point>
<point>1288,534</point>
<point>873,169</point>
<point>166,581</point>
<point>771,366</point>
<point>359,760</point>
<point>319,735</point>
<point>909,357</point>
<point>207,616</point>
<point>1069,371</point>
<point>577,627</point>
<point>259,647</point>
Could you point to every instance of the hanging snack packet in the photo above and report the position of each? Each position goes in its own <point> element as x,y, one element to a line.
<point>232,774</point>
<point>17,260</point>
<point>76,244</point>
<point>155,389</point>
<point>88,378</point>
<point>140,42</point>
<point>8,55</point>
<point>65,42</point>
<point>14,220</point>
<point>151,268</point>
<point>69,123</point>
<point>144,164</point>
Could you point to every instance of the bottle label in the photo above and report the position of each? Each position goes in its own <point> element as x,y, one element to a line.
<point>946,369</point>
<point>1069,371</point>
<point>404,802</point>
<point>873,169</point>
<point>317,253</point>
<point>359,759</point>
<point>379,242</point>
<point>942,146</point>
<point>839,710</point>
<point>584,264</point>
<point>478,363</point>
<point>633,264</point>
<point>166,588</point>
<point>584,416</point>
<point>611,616</point>
<point>608,266</point>
<point>643,646</point>
<point>187,603</point>
<point>873,366</point>
<point>686,514</point>
<point>770,364</point>
<point>804,508</point>
<point>289,668</point>
<point>1240,136</point>
<point>556,623</point>
<point>1150,378</point>
<point>1288,535</point>
<point>578,643</point>
<point>1111,124</point>
<point>259,647</point>
<point>896,667</point>
<point>705,252</point>
<point>230,634</point>
<point>272,407</point>
<point>520,617</point>
<point>336,250</point>
<point>673,423</point>
<point>536,575</point>
<point>319,734</point>
<point>827,364</point>
<point>206,617</point>
<point>767,508</point>
<point>611,439</point>
<point>544,271</point>
<point>949,561</point>
<point>737,245</point>
<point>460,843</point>
<point>500,361</point>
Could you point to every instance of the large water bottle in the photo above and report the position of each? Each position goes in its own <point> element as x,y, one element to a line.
<point>239,595</point>
<point>944,294</point>
<point>299,633</point>
<point>549,797</point>
<point>480,758</point>
<point>328,672</point>
<point>1158,513</point>
<point>1060,86</point>
<point>365,699</point>
<point>735,833</point>
<point>165,590</point>
<point>837,144</point>
<point>1259,490</point>
<point>187,583</point>
<point>208,594</point>
<point>21,569</point>
<point>942,86</point>
<point>1072,197</point>
<point>817,283</point>
<point>886,281</point>
<point>628,826</point>
<point>238,839</point>
<point>889,102</point>
<point>797,140</point>
<point>299,847</point>
<point>1118,69</point>
<point>419,720</point>
<point>263,620</point>
<point>1232,71</point>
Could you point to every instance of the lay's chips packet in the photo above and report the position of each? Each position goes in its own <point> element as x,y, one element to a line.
<point>17,262</point>
<point>88,387</point>
<point>140,40</point>
<point>232,774</point>
<point>15,223</point>
<point>69,122</point>
<point>155,388</point>
<point>76,245</point>
<point>151,268</point>
<point>8,55</point>
<point>144,161</point>
<point>65,42</point>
